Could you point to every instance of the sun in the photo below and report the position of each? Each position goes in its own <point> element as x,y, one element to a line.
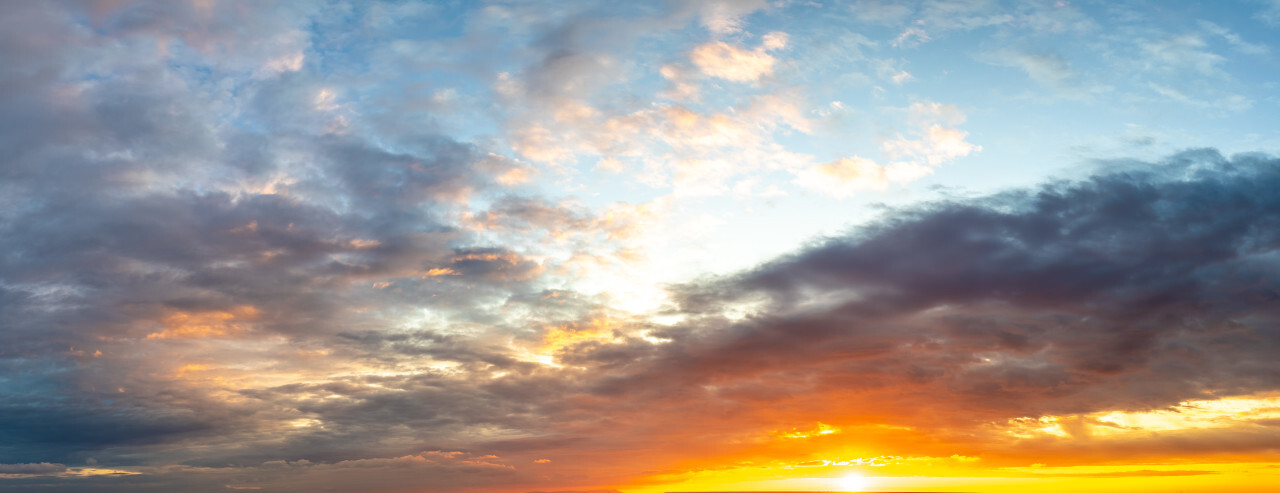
<point>852,482</point>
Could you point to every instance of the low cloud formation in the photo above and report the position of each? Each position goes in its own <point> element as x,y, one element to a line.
<point>1133,290</point>
<point>978,324</point>
<point>42,468</point>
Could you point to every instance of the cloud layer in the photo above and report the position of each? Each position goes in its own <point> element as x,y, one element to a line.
<point>292,247</point>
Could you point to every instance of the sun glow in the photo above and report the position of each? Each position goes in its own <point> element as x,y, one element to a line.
<point>852,482</point>
<point>1240,412</point>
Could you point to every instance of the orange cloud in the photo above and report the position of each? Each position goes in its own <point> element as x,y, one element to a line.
<point>207,324</point>
<point>845,175</point>
<point>557,337</point>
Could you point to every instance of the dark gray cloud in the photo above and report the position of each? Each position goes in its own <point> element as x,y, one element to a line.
<point>1130,290</point>
<point>32,468</point>
<point>170,189</point>
<point>1133,289</point>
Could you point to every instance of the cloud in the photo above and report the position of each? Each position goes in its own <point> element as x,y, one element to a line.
<point>1050,301</point>
<point>726,16</point>
<point>279,248</point>
<point>1053,71</point>
<point>937,145</point>
<point>1141,473</point>
<point>844,176</point>
<point>1228,102</point>
<point>1185,52</point>
<point>881,11</point>
<point>43,468</point>
<point>1234,39</point>
<point>965,14</point>
<point>179,239</point>
<point>1269,13</point>
<point>492,264</point>
<point>1049,70</point>
<point>573,103</point>
<point>921,22</point>
<point>1053,301</point>
<point>725,61</point>
<point>910,159</point>
<point>912,36</point>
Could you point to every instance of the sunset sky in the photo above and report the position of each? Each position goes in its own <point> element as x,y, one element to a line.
<point>636,247</point>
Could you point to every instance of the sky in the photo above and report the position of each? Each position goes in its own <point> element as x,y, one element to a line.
<point>637,247</point>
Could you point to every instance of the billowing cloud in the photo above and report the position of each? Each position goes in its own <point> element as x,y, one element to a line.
<point>1052,302</point>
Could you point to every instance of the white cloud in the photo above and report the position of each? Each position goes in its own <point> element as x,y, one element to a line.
<point>774,41</point>
<point>1181,52</point>
<point>912,36</point>
<point>1229,102</point>
<point>844,176</point>
<point>729,62</point>
<point>285,63</point>
<point>1050,70</point>
<point>910,158</point>
<point>937,146</point>
<point>537,143</point>
<point>1234,39</point>
<point>923,114</point>
<point>681,83</point>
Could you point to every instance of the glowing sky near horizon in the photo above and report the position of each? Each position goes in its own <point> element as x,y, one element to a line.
<point>636,247</point>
